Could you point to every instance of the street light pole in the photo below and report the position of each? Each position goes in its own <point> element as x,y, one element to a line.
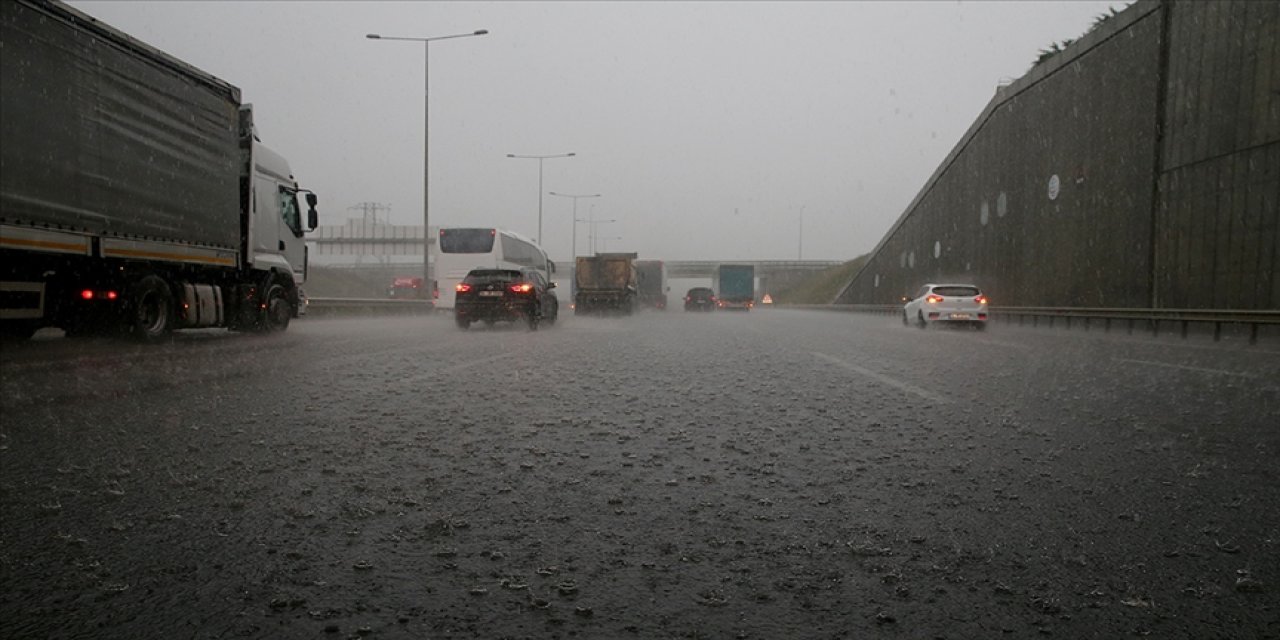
<point>426,147</point>
<point>573,257</point>
<point>591,228</point>
<point>540,159</point>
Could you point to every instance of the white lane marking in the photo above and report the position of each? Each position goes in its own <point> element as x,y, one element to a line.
<point>1187,368</point>
<point>880,377</point>
<point>1001,343</point>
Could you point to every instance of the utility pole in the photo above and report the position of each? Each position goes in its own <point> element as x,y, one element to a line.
<point>369,210</point>
<point>369,214</point>
<point>800,247</point>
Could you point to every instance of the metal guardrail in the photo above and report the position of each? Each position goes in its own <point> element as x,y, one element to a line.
<point>368,305</point>
<point>1150,319</point>
<point>1087,317</point>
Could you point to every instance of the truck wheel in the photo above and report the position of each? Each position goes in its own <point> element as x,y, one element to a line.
<point>17,329</point>
<point>276,310</point>
<point>150,315</point>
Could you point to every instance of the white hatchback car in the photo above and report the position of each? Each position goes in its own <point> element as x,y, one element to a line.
<point>958,303</point>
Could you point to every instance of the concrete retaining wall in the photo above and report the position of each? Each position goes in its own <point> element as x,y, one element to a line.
<point>1139,167</point>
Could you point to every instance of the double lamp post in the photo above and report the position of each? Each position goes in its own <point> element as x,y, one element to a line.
<point>426,155</point>
<point>426,149</point>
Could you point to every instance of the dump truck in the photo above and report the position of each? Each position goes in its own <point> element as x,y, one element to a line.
<point>735,286</point>
<point>135,194</point>
<point>606,283</point>
<point>651,284</point>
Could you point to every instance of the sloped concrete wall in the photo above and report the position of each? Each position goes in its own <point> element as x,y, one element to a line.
<point>1136,168</point>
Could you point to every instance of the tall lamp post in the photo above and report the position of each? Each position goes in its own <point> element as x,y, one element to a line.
<point>426,148</point>
<point>573,257</point>
<point>592,231</point>
<point>540,159</point>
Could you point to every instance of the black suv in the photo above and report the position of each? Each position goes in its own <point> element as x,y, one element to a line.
<point>489,295</point>
<point>700,299</point>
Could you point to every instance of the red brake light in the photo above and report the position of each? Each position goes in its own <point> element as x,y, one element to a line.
<point>523,287</point>
<point>980,299</point>
<point>111,295</point>
<point>933,299</point>
<point>86,294</point>
<point>462,287</point>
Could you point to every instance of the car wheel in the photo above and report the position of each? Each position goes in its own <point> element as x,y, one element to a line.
<point>532,318</point>
<point>920,321</point>
<point>555,313</point>
<point>906,320</point>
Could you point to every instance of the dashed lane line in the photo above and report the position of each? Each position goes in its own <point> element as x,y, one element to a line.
<point>1184,367</point>
<point>883,379</point>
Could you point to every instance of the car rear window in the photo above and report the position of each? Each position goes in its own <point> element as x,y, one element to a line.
<point>487,276</point>
<point>957,292</point>
<point>699,292</point>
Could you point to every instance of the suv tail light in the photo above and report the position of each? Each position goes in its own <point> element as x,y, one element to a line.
<point>523,287</point>
<point>933,299</point>
<point>462,287</point>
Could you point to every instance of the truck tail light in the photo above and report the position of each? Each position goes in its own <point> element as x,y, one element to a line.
<point>90,294</point>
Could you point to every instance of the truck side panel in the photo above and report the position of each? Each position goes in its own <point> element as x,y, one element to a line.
<point>133,143</point>
<point>651,283</point>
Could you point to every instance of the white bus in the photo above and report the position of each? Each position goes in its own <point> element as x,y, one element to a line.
<point>462,249</point>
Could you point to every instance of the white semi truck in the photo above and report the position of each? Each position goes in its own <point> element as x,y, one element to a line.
<point>135,195</point>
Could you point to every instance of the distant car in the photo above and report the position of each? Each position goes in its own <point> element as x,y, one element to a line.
<point>946,303</point>
<point>700,299</point>
<point>406,288</point>
<point>492,295</point>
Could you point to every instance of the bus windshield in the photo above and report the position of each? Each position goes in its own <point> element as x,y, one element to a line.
<point>466,240</point>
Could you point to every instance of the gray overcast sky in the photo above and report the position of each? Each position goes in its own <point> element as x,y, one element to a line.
<point>706,126</point>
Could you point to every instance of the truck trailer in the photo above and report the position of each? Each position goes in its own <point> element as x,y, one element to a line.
<point>651,284</point>
<point>606,282</point>
<point>735,286</point>
<point>135,195</point>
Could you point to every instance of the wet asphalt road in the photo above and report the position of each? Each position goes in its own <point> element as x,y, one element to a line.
<point>778,474</point>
